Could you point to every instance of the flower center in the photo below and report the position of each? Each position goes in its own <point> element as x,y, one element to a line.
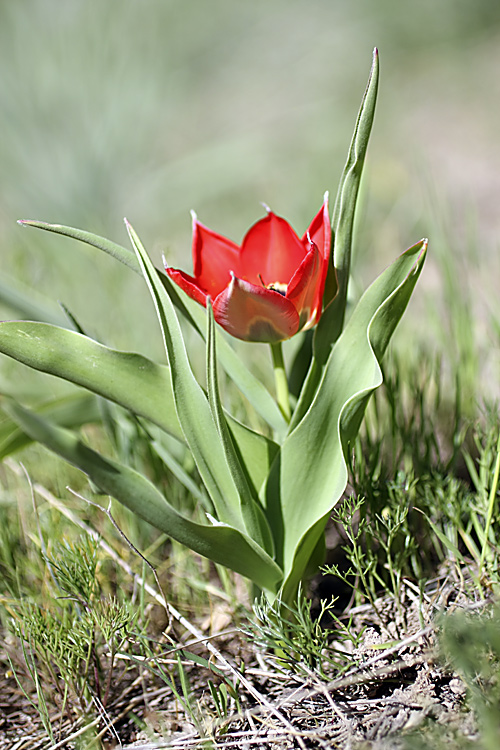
<point>276,286</point>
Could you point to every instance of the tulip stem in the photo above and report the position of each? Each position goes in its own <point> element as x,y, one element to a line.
<point>281,382</point>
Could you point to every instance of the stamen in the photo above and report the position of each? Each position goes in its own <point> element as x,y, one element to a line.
<point>277,286</point>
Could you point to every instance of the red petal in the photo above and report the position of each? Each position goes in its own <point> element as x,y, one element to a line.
<point>187,284</point>
<point>214,256</point>
<point>320,231</point>
<point>305,290</point>
<point>270,250</point>
<point>253,313</point>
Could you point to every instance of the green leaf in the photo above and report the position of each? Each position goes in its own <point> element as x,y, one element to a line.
<point>27,304</point>
<point>335,297</point>
<point>344,212</point>
<point>310,474</point>
<point>249,385</point>
<point>255,450</point>
<point>445,541</point>
<point>220,543</point>
<point>129,379</point>
<point>253,516</point>
<point>123,254</point>
<point>72,411</point>
<point>191,404</point>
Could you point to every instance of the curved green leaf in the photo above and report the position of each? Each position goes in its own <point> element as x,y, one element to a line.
<point>220,543</point>
<point>123,254</point>
<point>129,379</point>
<point>255,450</point>
<point>310,474</point>
<point>191,404</point>
<point>343,220</point>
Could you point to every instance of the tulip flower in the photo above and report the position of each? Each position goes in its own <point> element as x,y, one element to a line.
<point>268,289</point>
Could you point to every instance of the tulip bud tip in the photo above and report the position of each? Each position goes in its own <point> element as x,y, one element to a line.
<point>164,260</point>
<point>266,207</point>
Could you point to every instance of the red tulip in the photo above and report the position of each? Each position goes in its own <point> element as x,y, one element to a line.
<point>268,289</point>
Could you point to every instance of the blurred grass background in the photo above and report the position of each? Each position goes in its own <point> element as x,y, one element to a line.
<point>149,108</point>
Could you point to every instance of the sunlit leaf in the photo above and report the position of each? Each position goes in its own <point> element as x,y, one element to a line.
<point>129,379</point>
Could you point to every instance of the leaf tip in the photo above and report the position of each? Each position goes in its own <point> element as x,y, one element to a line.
<point>35,223</point>
<point>130,230</point>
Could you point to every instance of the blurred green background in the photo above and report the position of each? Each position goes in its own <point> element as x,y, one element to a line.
<point>149,108</point>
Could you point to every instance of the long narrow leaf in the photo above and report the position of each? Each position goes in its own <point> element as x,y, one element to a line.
<point>128,379</point>
<point>193,410</point>
<point>220,543</point>
<point>123,254</point>
<point>343,217</point>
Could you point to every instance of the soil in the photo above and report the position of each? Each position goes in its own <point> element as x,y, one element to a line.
<point>398,690</point>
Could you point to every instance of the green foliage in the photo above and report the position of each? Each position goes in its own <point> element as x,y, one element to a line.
<point>70,644</point>
<point>298,637</point>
